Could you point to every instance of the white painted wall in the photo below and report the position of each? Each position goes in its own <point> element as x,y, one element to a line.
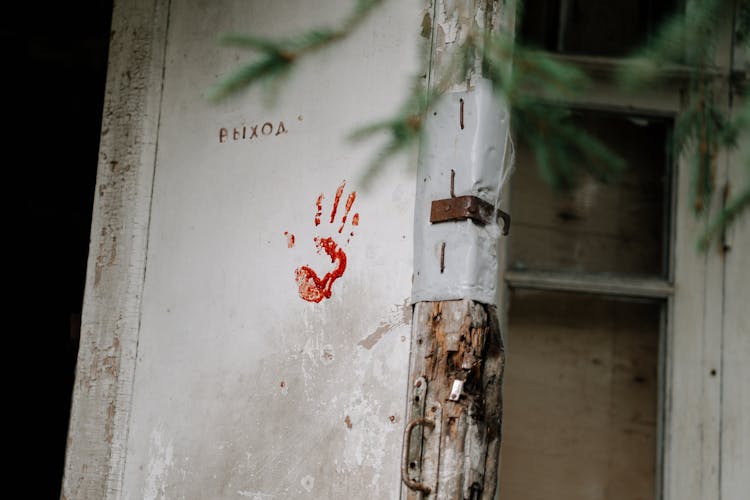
<point>242,389</point>
<point>211,378</point>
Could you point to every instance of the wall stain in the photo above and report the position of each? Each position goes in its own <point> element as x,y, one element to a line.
<point>401,317</point>
<point>372,339</point>
<point>426,26</point>
<point>105,256</point>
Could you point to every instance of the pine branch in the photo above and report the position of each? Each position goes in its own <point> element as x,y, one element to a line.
<point>563,151</point>
<point>533,87</point>
<point>743,23</point>
<point>403,129</point>
<point>738,205</point>
<point>731,212</point>
<point>703,129</point>
<point>278,56</point>
<point>688,39</point>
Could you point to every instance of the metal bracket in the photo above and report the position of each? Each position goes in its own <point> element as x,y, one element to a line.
<point>505,216</point>
<point>461,208</point>
<point>466,207</point>
<point>469,130</point>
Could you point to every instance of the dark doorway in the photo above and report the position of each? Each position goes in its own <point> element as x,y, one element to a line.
<point>55,59</point>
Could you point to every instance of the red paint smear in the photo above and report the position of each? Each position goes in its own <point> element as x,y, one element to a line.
<point>336,200</point>
<point>349,203</point>
<point>311,287</point>
<point>319,205</point>
<point>355,219</point>
<point>289,239</point>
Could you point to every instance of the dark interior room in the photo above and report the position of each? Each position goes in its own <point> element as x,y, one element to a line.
<point>55,57</point>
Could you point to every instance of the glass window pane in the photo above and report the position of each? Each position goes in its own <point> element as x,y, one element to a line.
<point>617,228</point>
<point>580,398</point>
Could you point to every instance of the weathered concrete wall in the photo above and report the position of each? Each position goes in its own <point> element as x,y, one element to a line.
<point>243,389</point>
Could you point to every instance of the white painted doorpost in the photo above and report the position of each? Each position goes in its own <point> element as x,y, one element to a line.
<point>103,390</point>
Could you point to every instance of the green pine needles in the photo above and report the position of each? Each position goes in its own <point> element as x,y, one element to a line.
<point>535,84</point>
<point>716,111</point>
<point>276,57</point>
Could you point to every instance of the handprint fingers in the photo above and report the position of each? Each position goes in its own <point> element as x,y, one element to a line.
<point>311,286</point>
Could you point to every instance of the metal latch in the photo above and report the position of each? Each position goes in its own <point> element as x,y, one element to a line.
<point>465,207</point>
<point>461,208</point>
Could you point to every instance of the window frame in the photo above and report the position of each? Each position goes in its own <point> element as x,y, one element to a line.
<point>691,351</point>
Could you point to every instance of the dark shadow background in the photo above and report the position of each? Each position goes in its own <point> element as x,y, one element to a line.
<point>54,57</point>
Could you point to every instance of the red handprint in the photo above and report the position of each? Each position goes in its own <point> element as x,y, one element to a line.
<point>312,287</point>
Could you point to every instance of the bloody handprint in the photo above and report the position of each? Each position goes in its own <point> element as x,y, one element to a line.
<point>312,287</point>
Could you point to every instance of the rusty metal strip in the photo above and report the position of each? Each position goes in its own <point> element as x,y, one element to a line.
<point>461,208</point>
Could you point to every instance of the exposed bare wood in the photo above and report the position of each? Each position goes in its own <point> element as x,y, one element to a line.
<point>452,22</point>
<point>590,283</point>
<point>458,352</point>
<point>457,345</point>
<point>97,436</point>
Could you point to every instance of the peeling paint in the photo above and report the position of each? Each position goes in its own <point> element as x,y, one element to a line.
<point>402,316</point>
<point>106,254</point>
<point>255,495</point>
<point>365,448</point>
<point>440,36</point>
<point>159,466</point>
<point>426,26</point>
<point>109,422</point>
<point>372,339</point>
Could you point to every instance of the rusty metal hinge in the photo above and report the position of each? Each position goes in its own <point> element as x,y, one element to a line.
<point>458,208</point>
<point>461,208</point>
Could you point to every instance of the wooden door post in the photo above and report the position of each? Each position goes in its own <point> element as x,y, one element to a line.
<point>456,371</point>
<point>453,428</point>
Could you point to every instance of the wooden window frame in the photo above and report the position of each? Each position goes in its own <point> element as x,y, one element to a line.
<point>691,447</point>
<point>622,285</point>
